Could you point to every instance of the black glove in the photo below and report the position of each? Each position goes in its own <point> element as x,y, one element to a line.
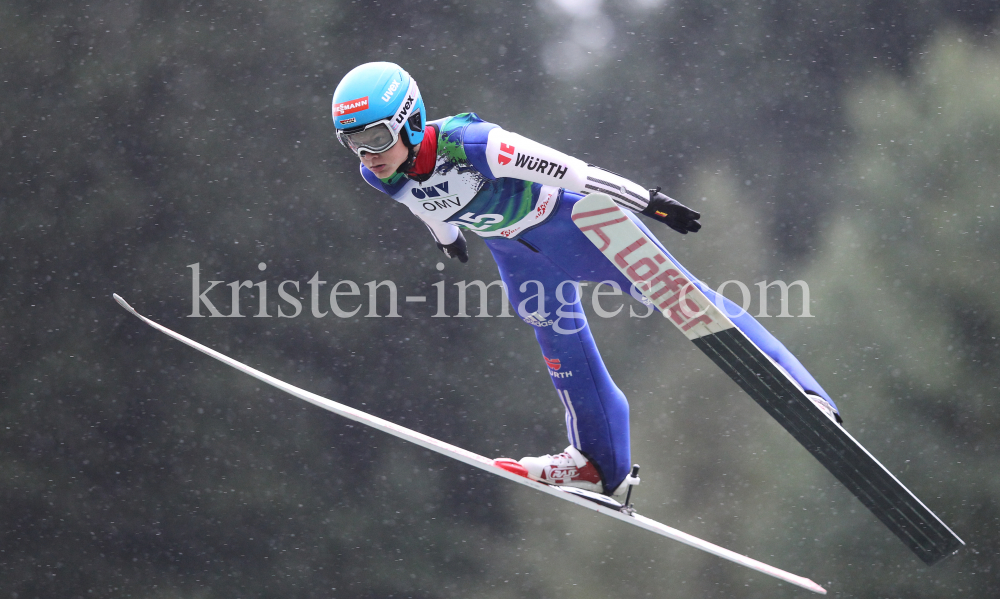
<point>456,249</point>
<point>672,213</point>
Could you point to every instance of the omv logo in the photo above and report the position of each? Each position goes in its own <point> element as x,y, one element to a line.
<point>433,191</point>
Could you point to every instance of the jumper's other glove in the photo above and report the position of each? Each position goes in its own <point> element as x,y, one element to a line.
<point>456,249</point>
<point>672,213</point>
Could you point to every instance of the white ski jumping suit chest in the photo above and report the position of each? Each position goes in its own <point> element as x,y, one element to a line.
<point>496,183</point>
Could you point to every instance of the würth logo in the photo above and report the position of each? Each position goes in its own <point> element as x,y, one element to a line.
<point>554,369</point>
<point>505,149</point>
<point>350,106</point>
<point>545,167</point>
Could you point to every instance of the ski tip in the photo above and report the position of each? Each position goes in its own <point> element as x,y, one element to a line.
<point>809,585</point>
<point>511,466</point>
<point>817,589</point>
<point>592,202</point>
<point>124,304</point>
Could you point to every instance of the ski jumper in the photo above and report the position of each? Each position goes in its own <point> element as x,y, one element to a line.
<point>518,195</point>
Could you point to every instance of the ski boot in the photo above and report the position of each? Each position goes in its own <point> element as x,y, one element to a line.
<point>569,468</point>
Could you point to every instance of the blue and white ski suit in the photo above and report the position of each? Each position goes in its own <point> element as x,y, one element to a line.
<point>518,195</point>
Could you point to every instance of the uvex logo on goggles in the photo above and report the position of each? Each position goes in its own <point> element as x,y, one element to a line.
<point>350,106</point>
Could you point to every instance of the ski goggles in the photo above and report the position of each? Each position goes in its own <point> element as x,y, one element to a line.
<point>381,135</point>
<point>376,137</point>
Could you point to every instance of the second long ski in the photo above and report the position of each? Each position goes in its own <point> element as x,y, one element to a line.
<point>690,310</point>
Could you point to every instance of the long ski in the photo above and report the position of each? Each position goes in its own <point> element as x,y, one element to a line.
<point>599,503</point>
<point>655,276</point>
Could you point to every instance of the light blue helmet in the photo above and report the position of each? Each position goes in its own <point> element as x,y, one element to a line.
<point>373,103</point>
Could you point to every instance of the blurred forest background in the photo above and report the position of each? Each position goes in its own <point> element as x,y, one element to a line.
<point>852,145</point>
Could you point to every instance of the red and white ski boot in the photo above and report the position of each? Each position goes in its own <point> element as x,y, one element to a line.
<point>569,468</point>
